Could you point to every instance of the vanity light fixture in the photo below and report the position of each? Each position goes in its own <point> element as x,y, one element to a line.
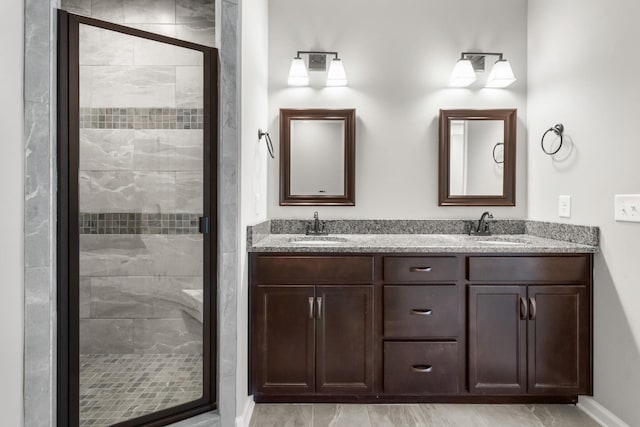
<point>299,76</point>
<point>464,72</point>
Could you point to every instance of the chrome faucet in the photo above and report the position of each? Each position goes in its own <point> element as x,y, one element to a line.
<point>483,225</point>
<point>318,226</point>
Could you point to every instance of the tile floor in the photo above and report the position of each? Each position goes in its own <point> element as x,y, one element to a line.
<point>117,387</point>
<point>431,415</point>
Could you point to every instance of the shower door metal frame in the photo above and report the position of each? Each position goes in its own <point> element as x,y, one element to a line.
<point>68,254</point>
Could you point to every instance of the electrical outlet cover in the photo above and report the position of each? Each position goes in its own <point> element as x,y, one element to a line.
<point>627,207</point>
<point>564,206</point>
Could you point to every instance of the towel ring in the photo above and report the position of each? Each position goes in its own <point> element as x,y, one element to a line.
<point>558,130</point>
<point>267,139</point>
<point>495,159</point>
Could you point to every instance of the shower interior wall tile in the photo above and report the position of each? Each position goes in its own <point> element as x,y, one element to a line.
<point>108,10</point>
<point>106,150</point>
<point>85,297</point>
<point>189,194</point>
<point>168,150</point>
<point>133,87</point>
<point>150,11</point>
<point>150,297</point>
<point>189,87</point>
<point>202,33</point>
<point>79,7</point>
<point>105,47</point>
<point>86,78</point>
<point>167,336</point>
<point>140,255</point>
<point>106,336</point>
<point>195,11</point>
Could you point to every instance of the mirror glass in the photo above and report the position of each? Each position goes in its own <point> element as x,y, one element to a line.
<point>477,157</point>
<point>317,157</point>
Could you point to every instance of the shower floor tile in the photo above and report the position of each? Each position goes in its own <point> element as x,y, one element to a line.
<point>118,387</point>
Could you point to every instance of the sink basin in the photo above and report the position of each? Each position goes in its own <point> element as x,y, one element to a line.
<point>318,240</point>
<point>500,242</point>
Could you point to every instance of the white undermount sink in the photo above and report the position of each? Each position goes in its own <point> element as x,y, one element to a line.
<point>318,240</point>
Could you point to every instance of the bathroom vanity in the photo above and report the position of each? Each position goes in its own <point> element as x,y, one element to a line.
<point>420,318</point>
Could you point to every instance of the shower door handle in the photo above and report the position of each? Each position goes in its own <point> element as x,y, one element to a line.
<point>203,226</point>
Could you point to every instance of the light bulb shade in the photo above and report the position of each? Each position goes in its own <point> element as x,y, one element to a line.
<point>298,75</point>
<point>336,75</point>
<point>501,75</point>
<point>463,74</point>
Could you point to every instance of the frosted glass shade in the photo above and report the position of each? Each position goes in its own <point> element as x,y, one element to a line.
<point>501,75</point>
<point>298,75</point>
<point>463,74</point>
<point>336,75</point>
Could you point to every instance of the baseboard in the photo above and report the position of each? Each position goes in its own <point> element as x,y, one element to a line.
<point>599,413</point>
<point>244,419</point>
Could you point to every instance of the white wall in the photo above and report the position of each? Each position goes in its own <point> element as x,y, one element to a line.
<point>398,58</point>
<point>253,163</point>
<point>11,214</point>
<point>583,72</point>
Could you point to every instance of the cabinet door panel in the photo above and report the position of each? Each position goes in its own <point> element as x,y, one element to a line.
<point>559,340</point>
<point>284,339</point>
<point>344,339</point>
<point>497,340</point>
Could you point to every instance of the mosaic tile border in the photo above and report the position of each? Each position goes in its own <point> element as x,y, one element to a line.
<point>141,118</point>
<point>139,223</point>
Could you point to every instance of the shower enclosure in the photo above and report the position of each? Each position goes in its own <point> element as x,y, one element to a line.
<point>137,240</point>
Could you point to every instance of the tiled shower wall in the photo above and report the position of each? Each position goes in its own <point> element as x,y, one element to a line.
<point>140,178</point>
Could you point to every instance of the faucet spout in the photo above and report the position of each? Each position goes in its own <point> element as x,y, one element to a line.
<point>483,225</point>
<point>318,227</point>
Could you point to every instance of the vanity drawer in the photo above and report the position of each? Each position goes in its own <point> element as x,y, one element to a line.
<point>420,269</point>
<point>530,268</point>
<point>420,367</point>
<point>420,311</point>
<point>313,269</point>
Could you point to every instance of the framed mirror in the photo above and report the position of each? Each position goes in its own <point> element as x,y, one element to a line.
<point>317,157</point>
<point>477,158</point>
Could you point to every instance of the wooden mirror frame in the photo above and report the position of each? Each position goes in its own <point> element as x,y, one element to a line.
<point>508,197</point>
<point>349,118</point>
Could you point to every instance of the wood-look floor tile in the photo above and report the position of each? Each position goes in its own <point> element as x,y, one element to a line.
<point>281,415</point>
<point>396,415</point>
<point>561,416</point>
<point>340,415</point>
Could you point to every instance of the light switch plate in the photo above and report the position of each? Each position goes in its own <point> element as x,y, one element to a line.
<point>564,206</point>
<point>627,207</point>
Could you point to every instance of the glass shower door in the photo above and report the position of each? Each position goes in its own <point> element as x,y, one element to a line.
<point>144,249</point>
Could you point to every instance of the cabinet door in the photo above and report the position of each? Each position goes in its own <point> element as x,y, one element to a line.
<point>497,339</point>
<point>344,339</point>
<point>559,339</point>
<point>283,356</point>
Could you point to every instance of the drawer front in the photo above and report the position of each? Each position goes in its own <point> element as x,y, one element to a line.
<point>420,269</point>
<point>421,367</point>
<point>420,311</point>
<point>526,269</point>
<point>313,269</point>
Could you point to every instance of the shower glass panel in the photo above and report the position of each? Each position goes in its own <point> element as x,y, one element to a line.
<point>140,185</point>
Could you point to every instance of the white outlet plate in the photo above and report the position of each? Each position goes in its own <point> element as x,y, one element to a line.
<point>627,207</point>
<point>564,206</point>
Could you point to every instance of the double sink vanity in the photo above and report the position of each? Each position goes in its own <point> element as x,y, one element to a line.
<point>420,311</point>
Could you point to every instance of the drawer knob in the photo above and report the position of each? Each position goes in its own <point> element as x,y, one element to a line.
<point>421,312</point>
<point>422,368</point>
<point>420,269</point>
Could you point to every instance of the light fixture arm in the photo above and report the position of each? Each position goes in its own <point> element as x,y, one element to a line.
<point>315,52</point>
<point>465,54</point>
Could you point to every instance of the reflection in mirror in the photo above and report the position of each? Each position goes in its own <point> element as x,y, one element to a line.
<point>317,157</point>
<point>477,157</point>
<point>473,168</point>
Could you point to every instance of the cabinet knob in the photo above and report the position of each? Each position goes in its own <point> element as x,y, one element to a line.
<point>422,368</point>
<point>421,312</point>
<point>420,269</point>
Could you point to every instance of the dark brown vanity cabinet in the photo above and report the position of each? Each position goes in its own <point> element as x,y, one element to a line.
<point>312,326</point>
<point>532,338</point>
<point>408,328</point>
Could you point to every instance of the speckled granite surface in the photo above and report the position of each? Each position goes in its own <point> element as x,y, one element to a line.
<point>582,234</point>
<point>423,236</point>
<point>418,243</point>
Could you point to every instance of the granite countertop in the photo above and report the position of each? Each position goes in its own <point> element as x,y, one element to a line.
<point>417,243</point>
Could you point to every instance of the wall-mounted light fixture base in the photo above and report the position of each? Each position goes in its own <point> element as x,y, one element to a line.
<point>477,62</point>
<point>317,62</point>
